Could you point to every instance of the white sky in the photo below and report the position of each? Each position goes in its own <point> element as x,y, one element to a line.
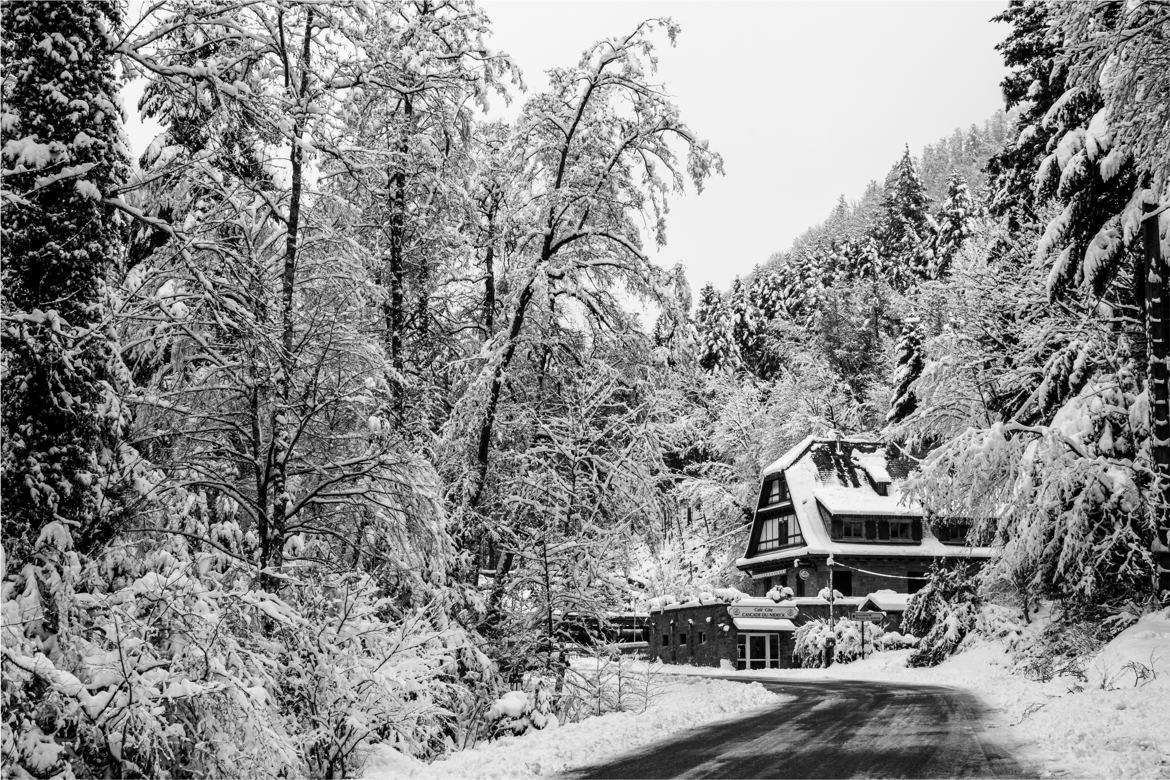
<point>804,100</point>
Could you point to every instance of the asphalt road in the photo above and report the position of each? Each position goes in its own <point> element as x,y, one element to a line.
<point>834,728</point>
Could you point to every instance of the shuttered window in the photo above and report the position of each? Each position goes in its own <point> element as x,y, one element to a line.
<point>867,528</point>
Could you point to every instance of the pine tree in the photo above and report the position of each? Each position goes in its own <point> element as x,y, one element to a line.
<point>767,295</point>
<point>743,317</point>
<point>713,318</point>
<point>865,260</point>
<point>954,224</point>
<point>903,228</point>
<point>908,368</point>
<point>63,156</point>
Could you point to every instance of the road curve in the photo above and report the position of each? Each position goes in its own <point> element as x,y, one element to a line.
<point>833,728</point>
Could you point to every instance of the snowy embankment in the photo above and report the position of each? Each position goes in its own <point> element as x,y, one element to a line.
<point>1113,724</point>
<point>682,703</point>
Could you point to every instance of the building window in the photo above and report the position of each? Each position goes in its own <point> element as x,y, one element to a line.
<point>901,531</point>
<point>778,531</point>
<point>666,640</point>
<point>843,581</point>
<point>952,533</point>
<point>775,491</point>
<point>702,637</point>
<point>770,533</point>
<point>852,528</point>
<point>916,581</point>
<point>682,639</point>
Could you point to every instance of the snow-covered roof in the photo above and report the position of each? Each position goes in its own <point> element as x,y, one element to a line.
<point>841,500</point>
<point>837,474</point>
<point>888,600</point>
<point>763,624</point>
<point>788,458</point>
<point>873,464</point>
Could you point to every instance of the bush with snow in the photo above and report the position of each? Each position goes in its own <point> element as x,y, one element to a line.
<point>943,613</point>
<point>812,637</point>
<point>893,640</point>
<point>517,712</point>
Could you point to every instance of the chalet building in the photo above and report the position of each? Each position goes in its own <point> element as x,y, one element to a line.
<point>831,514</point>
<point>834,508</point>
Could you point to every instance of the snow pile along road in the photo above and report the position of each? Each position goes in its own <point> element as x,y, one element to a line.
<point>684,703</point>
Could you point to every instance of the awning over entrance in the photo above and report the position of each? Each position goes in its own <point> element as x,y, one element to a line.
<point>763,624</point>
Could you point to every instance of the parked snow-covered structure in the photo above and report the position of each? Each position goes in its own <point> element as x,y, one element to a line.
<point>834,508</point>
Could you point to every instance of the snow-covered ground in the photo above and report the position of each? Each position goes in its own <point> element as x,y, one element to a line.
<point>1110,726</point>
<point>1105,727</point>
<point>681,704</point>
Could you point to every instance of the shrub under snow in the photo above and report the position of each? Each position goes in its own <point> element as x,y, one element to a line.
<point>942,613</point>
<point>811,637</point>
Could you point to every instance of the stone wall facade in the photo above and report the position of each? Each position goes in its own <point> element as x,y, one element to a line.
<point>710,637</point>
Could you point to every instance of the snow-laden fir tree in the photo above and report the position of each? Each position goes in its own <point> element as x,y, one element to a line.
<point>865,259</point>
<point>744,326</point>
<point>63,155</point>
<point>907,369</point>
<point>954,224</point>
<point>903,228</point>
<point>715,322</point>
<point>766,295</point>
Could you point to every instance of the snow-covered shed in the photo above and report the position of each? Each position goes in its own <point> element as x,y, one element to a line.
<point>835,507</point>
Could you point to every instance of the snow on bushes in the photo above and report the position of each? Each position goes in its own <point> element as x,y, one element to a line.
<point>163,662</point>
<point>812,637</point>
<point>519,711</point>
<point>942,613</point>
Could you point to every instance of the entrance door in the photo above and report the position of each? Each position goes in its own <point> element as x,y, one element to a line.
<point>759,651</point>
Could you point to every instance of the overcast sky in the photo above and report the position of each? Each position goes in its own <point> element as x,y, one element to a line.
<point>804,100</point>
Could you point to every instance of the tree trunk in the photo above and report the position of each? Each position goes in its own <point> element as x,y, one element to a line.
<point>1157,317</point>
<point>272,543</point>
<point>483,452</point>
<point>396,319</point>
<point>489,279</point>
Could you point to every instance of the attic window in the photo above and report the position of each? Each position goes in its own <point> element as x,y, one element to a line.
<point>775,491</point>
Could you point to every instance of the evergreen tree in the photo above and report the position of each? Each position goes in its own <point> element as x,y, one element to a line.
<point>715,324</point>
<point>908,368</point>
<point>766,295</point>
<point>865,259</point>
<point>903,227</point>
<point>62,157</point>
<point>954,224</point>
<point>743,317</point>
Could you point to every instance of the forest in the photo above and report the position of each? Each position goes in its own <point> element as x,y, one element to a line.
<point>339,409</point>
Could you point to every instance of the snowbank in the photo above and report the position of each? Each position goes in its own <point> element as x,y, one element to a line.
<point>683,704</point>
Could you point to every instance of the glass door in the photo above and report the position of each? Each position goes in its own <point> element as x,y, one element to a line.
<point>758,651</point>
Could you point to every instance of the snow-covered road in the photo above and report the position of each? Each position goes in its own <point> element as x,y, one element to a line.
<point>834,728</point>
